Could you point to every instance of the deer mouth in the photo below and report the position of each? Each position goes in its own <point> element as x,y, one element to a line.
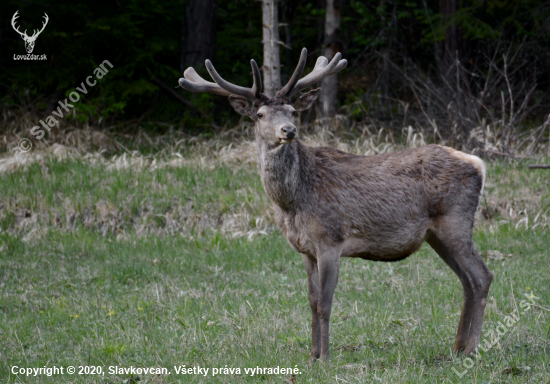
<point>285,140</point>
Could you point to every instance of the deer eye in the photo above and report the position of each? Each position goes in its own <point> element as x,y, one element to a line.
<point>260,115</point>
<point>294,113</point>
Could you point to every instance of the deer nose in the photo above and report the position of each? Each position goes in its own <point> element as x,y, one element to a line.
<point>289,131</point>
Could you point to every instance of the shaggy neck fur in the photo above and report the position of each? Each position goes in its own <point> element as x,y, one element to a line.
<point>282,169</point>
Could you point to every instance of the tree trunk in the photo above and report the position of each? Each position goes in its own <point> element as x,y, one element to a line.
<point>386,37</point>
<point>333,45</point>
<point>452,48</point>
<point>288,41</point>
<point>199,33</point>
<point>451,63</point>
<point>272,62</point>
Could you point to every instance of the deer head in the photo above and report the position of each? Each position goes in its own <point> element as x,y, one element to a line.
<point>274,116</point>
<point>29,40</point>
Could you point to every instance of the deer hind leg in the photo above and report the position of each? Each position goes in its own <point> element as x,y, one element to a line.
<point>456,241</point>
<point>313,290</point>
<point>481,278</point>
<point>468,300</point>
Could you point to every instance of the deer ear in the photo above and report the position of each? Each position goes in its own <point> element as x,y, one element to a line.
<point>242,106</point>
<point>306,100</point>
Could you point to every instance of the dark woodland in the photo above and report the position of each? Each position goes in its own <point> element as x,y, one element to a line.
<point>453,68</point>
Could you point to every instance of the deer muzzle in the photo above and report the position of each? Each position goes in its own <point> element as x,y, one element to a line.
<point>287,133</point>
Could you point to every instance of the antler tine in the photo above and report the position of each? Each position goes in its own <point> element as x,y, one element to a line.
<point>287,89</point>
<point>249,93</point>
<point>341,65</point>
<point>321,70</point>
<point>257,86</point>
<point>195,83</point>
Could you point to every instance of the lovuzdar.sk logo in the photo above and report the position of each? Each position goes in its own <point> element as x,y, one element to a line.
<point>29,40</point>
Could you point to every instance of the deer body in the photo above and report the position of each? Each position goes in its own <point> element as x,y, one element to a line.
<point>331,204</point>
<point>374,207</point>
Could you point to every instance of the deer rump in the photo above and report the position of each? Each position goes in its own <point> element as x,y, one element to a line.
<point>379,207</point>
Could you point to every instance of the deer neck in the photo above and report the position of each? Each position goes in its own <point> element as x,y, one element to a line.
<point>282,169</point>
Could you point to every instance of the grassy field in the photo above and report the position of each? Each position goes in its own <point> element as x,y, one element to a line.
<point>179,264</point>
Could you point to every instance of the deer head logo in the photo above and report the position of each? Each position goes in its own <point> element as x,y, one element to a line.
<point>29,40</point>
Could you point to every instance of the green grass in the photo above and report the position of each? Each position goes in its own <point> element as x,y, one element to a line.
<point>79,184</point>
<point>163,201</point>
<point>75,294</point>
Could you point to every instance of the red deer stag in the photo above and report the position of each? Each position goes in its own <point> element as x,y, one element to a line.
<point>331,204</point>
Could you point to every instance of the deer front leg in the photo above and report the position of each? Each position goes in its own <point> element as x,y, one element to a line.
<point>313,290</point>
<point>328,265</point>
